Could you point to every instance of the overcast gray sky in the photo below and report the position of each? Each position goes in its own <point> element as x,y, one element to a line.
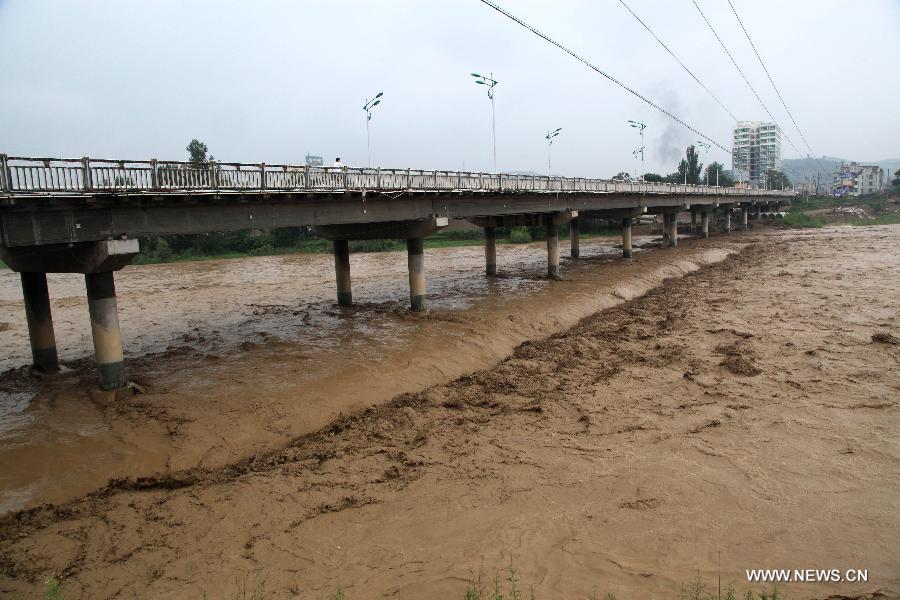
<point>270,81</point>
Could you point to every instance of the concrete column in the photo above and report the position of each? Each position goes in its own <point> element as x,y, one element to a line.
<point>626,238</point>
<point>490,250</point>
<point>693,222</point>
<point>101,295</point>
<point>727,226</point>
<point>673,230</point>
<point>573,236</point>
<point>704,224</point>
<point>744,217</point>
<point>40,322</point>
<point>552,249</point>
<point>666,227</point>
<point>342,272</point>
<point>416,253</point>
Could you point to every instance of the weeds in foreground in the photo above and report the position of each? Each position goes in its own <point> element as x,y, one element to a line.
<point>53,589</point>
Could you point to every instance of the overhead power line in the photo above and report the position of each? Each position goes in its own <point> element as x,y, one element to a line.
<point>608,76</point>
<point>683,66</point>
<point>747,81</point>
<point>783,103</point>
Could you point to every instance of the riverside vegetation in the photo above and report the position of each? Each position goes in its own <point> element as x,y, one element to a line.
<point>294,240</point>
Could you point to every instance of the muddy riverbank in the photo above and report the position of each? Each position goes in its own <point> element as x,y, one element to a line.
<point>743,415</point>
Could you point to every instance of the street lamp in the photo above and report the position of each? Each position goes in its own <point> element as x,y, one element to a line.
<point>706,148</point>
<point>368,106</point>
<point>640,127</point>
<point>549,137</point>
<point>490,82</point>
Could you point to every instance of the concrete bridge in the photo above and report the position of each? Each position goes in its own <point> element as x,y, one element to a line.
<point>84,215</point>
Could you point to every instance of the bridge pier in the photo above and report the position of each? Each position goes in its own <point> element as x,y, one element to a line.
<point>101,295</point>
<point>704,223</point>
<point>665,229</point>
<point>573,236</point>
<point>673,230</point>
<point>40,322</point>
<point>626,238</point>
<point>342,272</point>
<point>693,221</point>
<point>552,248</point>
<point>727,226</point>
<point>490,250</point>
<point>744,217</point>
<point>416,254</point>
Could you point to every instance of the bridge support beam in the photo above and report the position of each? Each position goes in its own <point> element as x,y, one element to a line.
<point>490,250</point>
<point>552,248</point>
<point>40,322</point>
<point>574,238</point>
<point>342,272</point>
<point>704,224</point>
<point>101,295</point>
<point>693,221</point>
<point>626,238</point>
<point>727,225</point>
<point>665,228</point>
<point>745,217</point>
<point>416,254</point>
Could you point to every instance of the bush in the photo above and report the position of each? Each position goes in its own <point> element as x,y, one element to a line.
<point>519,235</point>
<point>162,252</point>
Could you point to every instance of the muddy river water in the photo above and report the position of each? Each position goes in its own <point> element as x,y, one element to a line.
<point>732,404</point>
<point>237,356</point>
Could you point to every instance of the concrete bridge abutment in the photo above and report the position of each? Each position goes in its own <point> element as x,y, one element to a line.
<point>413,232</point>
<point>97,261</point>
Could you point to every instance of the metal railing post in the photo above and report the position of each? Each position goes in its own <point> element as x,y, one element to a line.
<point>262,176</point>
<point>4,172</point>
<point>87,177</point>
<point>154,174</point>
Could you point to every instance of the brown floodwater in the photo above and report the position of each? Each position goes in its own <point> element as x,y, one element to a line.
<point>237,356</point>
<point>729,405</point>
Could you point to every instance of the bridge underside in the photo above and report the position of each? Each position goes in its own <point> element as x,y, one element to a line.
<point>38,220</point>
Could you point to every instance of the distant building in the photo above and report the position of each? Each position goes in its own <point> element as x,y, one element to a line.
<point>757,149</point>
<point>314,161</point>
<point>857,180</point>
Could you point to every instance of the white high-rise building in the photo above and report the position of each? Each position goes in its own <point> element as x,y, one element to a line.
<point>757,149</point>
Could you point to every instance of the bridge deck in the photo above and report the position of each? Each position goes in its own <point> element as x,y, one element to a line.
<point>53,201</point>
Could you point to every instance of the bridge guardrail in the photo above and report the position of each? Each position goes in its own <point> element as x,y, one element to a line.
<point>19,174</point>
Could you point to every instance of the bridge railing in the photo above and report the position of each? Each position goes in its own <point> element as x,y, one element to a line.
<point>86,175</point>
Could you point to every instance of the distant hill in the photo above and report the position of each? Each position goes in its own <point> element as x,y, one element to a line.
<point>800,169</point>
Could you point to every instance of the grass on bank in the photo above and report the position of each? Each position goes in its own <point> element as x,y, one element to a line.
<point>507,586</point>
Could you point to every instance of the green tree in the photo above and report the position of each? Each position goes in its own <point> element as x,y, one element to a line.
<point>717,168</point>
<point>691,165</point>
<point>197,152</point>
<point>896,180</point>
<point>621,176</point>
<point>653,178</point>
<point>777,180</point>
